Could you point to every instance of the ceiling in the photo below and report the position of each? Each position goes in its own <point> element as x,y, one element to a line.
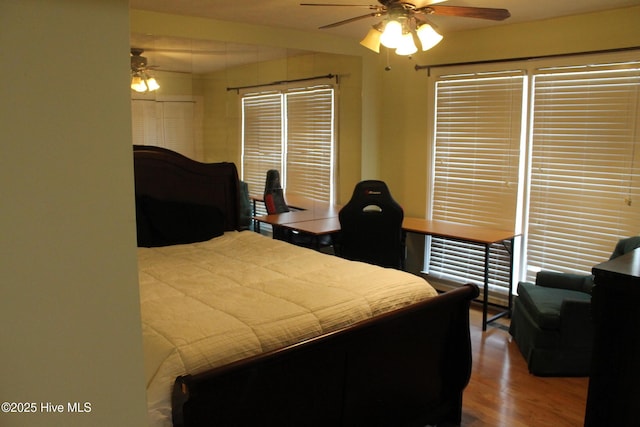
<point>203,56</point>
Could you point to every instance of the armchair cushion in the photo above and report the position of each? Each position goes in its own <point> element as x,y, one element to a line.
<point>544,304</point>
<point>570,281</point>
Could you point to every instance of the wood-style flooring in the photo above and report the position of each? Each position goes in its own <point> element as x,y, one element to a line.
<point>502,393</point>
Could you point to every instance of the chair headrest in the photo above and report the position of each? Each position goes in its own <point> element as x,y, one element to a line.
<point>273,180</point>
<point>371,188</point>
<point>372,196</point>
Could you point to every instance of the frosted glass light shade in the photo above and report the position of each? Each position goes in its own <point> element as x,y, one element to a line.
<point>428,36</point>
<point>137,84</point>
<point>407,46</point>
<point>152,84</point>
<point>372,40</point>
<point>392,34</point>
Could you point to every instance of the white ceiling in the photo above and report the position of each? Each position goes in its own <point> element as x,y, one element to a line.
<point>290,14</point>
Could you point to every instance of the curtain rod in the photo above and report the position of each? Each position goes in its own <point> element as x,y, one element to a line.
<point>529,58</point>
<point>281,82</point>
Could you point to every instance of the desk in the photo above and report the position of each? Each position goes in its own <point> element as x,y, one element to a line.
<point>469,233</point>
<point>318,212</point>
<point>324,221</point>
<point>294,201</point>
<point>296,204</point>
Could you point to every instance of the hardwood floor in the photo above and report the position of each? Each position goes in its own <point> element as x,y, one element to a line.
<point>502,393</point>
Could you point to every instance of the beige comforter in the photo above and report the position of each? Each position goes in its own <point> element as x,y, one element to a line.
<point>211,303</point>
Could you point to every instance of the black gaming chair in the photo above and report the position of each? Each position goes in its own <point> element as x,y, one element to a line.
<point>371,226</point>
<point>274,202</point>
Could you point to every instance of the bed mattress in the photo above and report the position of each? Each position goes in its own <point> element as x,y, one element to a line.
<point>207,304</point>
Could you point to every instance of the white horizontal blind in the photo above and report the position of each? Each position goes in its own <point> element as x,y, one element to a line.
<point>262,139</point>
<point>310,143</point>
<point>292,131</point>
<point>478,127</point>
<point>584,173</point>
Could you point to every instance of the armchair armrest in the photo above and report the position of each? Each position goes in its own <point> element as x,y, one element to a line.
<point>571,281</point>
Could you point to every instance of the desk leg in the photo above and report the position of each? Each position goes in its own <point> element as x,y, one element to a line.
<point>403,251</point>
<point>256,223</point>
<point>510,296</point>
<point>507,312</point>
<point>485,298</point>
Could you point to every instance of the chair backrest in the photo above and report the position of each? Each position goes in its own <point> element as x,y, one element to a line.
<point>273,194</point>
<point>246,212</point>
<point>625,246</point>
<point>371,226</point>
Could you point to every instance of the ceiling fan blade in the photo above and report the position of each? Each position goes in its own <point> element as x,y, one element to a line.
<point>372,7</point>
<point>467,12</point>
<point>348,21</point>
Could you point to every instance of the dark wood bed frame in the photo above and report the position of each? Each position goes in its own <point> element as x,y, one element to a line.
<point>404,368</point>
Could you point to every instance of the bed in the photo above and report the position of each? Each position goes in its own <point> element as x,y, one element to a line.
<point>240,329</point>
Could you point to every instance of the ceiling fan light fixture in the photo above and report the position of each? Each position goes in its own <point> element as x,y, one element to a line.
<point>428,36</point>
<point>407,19</point>
<point>137,83</point>
<point>372,40</point>
<point>392,35</point>
<point>152,84</point>
<point>140,80</point>
<point>407,46</point>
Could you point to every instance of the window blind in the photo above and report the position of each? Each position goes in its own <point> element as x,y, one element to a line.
<point>579,156</point>
<point>262,139</point>
<point>478,128</point>
<point>310,144</point>
<point>584,176</point>
<point>291,131</point>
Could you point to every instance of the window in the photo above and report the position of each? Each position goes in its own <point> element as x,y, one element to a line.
<point>584,139</point>
<point>550,151</point>
<point>291,131</point>
<point>478,131</point>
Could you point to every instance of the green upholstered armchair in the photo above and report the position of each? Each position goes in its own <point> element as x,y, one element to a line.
<point>551,320</point>
<point>551,323</point>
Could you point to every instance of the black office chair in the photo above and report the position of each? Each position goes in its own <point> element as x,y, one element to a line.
<point>274,202</point>
<point>371,226</point>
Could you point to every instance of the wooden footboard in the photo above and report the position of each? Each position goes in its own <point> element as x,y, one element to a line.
<point>405,368</point>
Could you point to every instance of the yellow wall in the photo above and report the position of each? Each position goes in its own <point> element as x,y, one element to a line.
<point>69,305</point>
<point>393,128</point>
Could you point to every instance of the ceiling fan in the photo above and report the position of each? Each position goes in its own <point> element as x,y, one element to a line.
<point>405,26</point>
<point>141,81</point>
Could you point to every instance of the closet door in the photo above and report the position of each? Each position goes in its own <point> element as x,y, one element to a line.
<point>172,124</point>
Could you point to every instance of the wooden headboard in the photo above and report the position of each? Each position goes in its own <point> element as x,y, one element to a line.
<point>169,176</point>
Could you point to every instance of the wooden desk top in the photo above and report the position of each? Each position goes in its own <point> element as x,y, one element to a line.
<point>469,233</point>
<point>317,212</point>
<point>324,220</point>
<point>317,227</point>
<point>296,201</point>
